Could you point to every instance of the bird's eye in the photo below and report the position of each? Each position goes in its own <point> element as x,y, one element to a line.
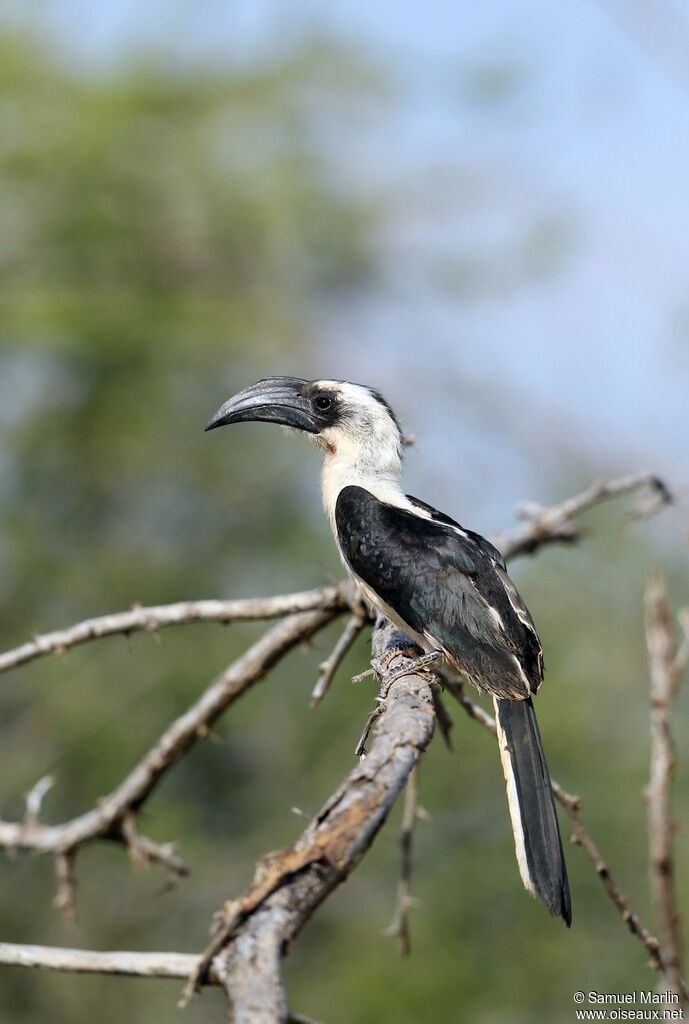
<point>323,403</point>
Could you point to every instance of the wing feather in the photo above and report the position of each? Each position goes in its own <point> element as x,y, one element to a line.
<point>446,583</point>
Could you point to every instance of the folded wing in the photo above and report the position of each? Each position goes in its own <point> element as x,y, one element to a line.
<point>446,583</point>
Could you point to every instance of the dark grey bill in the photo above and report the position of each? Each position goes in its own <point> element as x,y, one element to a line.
<point>284,400</point>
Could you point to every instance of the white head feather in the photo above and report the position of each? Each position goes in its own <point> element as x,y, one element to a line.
<point>364,447</point>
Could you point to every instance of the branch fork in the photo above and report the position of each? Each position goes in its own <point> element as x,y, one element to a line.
<point>253,932</point>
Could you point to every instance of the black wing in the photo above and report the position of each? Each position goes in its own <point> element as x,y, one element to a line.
<point>446,583</point>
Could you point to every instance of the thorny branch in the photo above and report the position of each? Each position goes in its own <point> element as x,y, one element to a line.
<point>88,961</point>
<point>114,816</point>
<point>580,837</point>
<point>177,966</point>
<point>255,930</point>
<point>556,523</point>
<point>327,669</point>
<point>152,619</point>
<point>666,669</point>
<point>405,900</point>
<point>542,525</point>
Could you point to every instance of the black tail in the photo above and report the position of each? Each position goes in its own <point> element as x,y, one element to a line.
<point>532,809</point>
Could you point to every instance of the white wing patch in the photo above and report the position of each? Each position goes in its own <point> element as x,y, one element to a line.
<point>425,513</point>
<point>522,673</point>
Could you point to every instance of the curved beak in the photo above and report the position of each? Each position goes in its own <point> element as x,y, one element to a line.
<point>274,400</point>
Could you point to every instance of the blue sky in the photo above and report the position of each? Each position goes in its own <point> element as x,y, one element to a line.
<point>585,154</point>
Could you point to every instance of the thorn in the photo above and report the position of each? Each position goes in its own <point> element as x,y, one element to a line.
<point>137,855</point>
<point>34,799</point>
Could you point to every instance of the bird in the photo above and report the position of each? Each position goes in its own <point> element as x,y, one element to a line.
<point>445,586</point>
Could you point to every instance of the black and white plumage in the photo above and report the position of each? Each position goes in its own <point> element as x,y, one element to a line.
<point>445,586</point>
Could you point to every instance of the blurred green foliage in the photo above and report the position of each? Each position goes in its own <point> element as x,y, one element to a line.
<point>165,237</point>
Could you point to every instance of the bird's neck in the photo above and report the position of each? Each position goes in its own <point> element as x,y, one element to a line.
<point>356,468</point>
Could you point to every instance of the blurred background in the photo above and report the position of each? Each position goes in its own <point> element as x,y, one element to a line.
<point>480,210</point>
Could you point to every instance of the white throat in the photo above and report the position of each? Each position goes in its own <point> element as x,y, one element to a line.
<point>339,472</point>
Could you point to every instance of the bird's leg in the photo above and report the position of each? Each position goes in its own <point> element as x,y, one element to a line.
<point>418,664</point>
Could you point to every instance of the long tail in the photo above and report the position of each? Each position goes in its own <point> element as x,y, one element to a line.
<point>532,809</point>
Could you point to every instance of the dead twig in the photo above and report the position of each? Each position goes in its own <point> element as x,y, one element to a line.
<point>89,961</point>
<point>113,816</point>
<point>556,523</point>
<point>399,928</point>
<point>665,663</point>
<point>34,799</point>
<point>327,669</point>
<point>257,929</point>
<point>580,837</point>
<point>360,749</point>
<point>161,616</point>
<point>456,688</point>
<point>176,966</point>
<point>65,898</point>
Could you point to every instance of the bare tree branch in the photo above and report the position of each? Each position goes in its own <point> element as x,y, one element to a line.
<point>581,837</point>
<point>177,966</point>
<point>543,525</point>
<point>113,815</point>
<point>35,798</point>
<point>158,617</point>
<point>246,953</point>
<point>88,961</point>
<point>665,679</point>
<point>328,668</point>
<point>65,898</point>
<point>405,900</point>
<point>555,523</point>
<point>257,929</point>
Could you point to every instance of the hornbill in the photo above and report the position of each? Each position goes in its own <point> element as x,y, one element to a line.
<point>446,587</point>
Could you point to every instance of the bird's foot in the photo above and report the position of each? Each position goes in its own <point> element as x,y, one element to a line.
<point>418,665</point>
<point>376,669</point>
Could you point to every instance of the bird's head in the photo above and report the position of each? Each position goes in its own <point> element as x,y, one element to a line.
<point>349,422</point>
